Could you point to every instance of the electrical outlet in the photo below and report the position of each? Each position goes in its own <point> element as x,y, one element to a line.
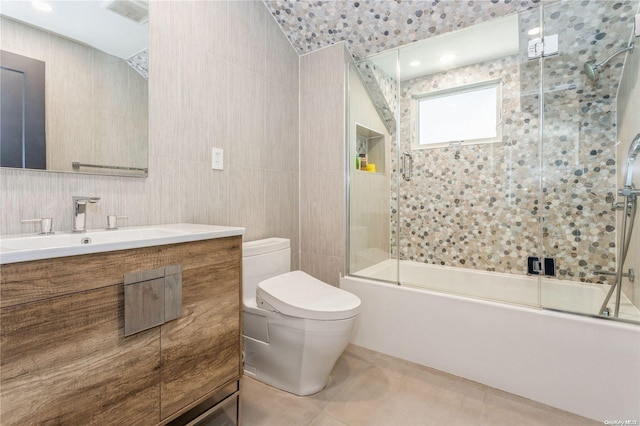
<point>217,159</point>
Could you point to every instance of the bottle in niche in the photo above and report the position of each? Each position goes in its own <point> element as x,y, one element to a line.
<point>357,162</point>
<point>363,162</point>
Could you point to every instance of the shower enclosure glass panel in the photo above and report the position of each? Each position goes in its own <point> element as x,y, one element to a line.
<point>372,133</point>
<point>581,169</point>
<point>531,218</point>
<point>471,207</point>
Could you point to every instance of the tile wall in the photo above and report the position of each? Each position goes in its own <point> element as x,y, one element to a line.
<point>470,206</point>
<point>322,159</point>
<point>478,206</point>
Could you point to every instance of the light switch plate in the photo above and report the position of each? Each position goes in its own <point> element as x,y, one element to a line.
<point>217,159</point>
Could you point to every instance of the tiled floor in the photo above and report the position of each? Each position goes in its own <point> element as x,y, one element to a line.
<point>367,388</point>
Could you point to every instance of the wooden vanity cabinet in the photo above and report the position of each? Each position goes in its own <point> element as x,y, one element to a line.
<point>63,355</point>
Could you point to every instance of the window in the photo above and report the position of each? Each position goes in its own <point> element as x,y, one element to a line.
<point>466,114</point>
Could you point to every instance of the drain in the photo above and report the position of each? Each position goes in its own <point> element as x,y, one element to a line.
<point>85,240</point>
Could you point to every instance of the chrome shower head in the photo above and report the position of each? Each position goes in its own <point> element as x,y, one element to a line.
<point>593,70</point>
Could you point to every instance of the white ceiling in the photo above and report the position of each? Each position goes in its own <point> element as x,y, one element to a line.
<point>481,42</point>
<point>86,21</point>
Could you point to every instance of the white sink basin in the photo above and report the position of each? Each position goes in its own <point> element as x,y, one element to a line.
<point>35,242</point>
<point>22,248</point>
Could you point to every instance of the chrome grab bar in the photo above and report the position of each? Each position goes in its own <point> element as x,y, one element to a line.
<point>407,176</point>
<point>629,205</point>
<point>76,166</point>
<point>631,274</point>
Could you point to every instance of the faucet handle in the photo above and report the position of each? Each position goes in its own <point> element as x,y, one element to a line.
<point>112,221</point>
<point>46,225</point>
<point>79,199</point>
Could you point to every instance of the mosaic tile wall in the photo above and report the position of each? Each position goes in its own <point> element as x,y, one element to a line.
<point>465,202</point>
<point>579,154</point>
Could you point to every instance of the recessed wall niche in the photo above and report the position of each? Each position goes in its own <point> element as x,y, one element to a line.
<point>372,144</point>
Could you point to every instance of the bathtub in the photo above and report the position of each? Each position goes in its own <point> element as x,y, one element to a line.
<point>584,365</point>
<point>570,296</point>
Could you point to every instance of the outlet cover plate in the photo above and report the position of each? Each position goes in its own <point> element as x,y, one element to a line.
<point>217,159</point>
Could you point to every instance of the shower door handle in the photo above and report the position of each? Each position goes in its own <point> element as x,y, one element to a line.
<point>407,175</point>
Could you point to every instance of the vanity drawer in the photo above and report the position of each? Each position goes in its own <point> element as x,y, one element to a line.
<point>220,409</point>
<point>224,414</point>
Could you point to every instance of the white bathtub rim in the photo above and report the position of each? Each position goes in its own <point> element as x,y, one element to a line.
<point>568,315</point>
<point>528,294</point>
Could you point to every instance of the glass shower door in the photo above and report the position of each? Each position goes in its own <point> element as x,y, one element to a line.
<point>468,200</point>
<point>372,134</point>
<point>526,211</point>
<point>588,126</point>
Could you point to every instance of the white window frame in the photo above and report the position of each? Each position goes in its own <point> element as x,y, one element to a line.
<point>496,83</point>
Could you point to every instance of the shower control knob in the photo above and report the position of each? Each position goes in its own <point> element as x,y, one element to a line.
<point>629,191</point>
<point>617,206</point>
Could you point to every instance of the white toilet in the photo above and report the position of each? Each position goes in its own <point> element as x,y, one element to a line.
<point>295,327</point>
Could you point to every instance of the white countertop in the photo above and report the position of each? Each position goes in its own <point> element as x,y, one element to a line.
<point>27,247</point>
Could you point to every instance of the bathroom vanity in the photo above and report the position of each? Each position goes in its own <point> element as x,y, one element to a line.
<point>64,355</point>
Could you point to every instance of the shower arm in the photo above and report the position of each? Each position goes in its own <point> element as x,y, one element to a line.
<point>630,48</point>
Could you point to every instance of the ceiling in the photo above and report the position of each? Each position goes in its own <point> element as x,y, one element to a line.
<point>89,22</point>
<point>482,42</point>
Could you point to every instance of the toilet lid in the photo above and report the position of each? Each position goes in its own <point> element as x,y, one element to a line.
<point>300,295</point>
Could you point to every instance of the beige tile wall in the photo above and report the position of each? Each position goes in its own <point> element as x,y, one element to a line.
<point>322,170</point>
<point>223,75</point>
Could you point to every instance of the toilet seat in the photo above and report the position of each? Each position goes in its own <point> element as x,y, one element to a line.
<point>300,295</point>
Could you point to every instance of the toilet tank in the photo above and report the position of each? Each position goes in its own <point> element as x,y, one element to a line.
<point>263,259</point>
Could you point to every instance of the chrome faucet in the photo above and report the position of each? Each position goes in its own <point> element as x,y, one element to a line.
<point>80,212</point>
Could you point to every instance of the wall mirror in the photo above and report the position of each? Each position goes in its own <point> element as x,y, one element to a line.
<point>91,115</point>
